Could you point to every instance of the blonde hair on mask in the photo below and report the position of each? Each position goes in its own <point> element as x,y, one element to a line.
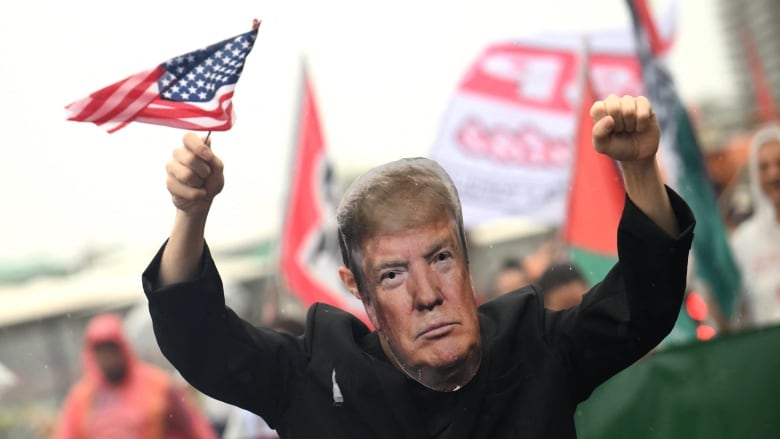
<point>393,197</point>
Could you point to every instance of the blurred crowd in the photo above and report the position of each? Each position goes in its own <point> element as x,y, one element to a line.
<point>120,389</point>
<point>746,180</point>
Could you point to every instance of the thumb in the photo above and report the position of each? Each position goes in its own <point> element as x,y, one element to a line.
<point>602,130</point>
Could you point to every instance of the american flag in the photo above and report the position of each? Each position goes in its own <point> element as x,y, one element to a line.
<point>192,91</point>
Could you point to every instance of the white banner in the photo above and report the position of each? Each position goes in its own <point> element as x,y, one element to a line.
<point>508,135</point>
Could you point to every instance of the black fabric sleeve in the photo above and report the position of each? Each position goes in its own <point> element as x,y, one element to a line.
<point>633,308</point>
<point>215,350</point>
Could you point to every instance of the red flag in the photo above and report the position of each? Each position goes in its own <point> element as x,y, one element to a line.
<point>192,91</point>
<point>596,199</point>
<point>310,254</point>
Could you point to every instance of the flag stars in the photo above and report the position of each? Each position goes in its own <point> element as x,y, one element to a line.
<point>196,76</point>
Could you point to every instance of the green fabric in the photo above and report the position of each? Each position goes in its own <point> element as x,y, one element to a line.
<point>725,388</point>
<point>593,266</point>
<point>713,261</point>
<point>683,332</point>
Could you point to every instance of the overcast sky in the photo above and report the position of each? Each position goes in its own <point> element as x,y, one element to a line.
<point>383,73</point>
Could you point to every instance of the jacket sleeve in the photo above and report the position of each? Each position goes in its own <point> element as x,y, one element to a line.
<point>630,312</point>
<point>215,350</point>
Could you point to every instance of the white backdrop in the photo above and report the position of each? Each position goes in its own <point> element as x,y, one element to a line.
<point>383,71</point>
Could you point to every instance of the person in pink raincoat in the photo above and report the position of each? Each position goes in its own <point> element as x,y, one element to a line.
<point>119,396</point>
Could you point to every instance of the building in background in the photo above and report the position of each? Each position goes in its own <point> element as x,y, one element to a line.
<point>753,45</point>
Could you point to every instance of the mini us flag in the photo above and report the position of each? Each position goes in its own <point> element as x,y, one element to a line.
<point>193,91</point>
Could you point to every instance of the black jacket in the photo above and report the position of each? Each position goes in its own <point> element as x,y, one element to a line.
<point>335,382</point>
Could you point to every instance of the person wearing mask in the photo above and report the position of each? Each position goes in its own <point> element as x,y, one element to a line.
<point>435,364</point>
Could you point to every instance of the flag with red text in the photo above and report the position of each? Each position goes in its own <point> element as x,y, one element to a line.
<point>193,91</point>
<point>310,254</point>
<point>507,137</point>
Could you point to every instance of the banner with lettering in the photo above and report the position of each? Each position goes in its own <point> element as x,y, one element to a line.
<point>507,137</point>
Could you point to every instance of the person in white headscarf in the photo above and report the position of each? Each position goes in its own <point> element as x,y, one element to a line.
<point>756,241</point>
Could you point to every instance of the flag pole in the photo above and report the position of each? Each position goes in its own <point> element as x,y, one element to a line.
<point>281,285</point>
<point>582,78</point>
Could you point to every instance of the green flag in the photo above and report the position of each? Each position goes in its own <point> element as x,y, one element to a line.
<point>714,264</point>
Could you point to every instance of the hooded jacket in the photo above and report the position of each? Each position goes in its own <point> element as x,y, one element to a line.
<point>145,404</point>
<point>756,244</point>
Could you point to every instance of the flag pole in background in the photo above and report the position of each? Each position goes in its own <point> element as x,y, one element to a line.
<point>762,92</point>
<point>713,262</point>
<point>193,91</point>
<point>596,194</point>
<point>309,248</point>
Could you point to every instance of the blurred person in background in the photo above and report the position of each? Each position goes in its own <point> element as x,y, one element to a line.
<point>562,286</point>
<point>121,397</point>
<point>537,262</point>
<point>756,241</point>
<point>516,273</point>
<point>510,276</point>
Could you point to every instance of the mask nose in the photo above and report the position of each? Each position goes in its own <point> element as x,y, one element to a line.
<point>426,290</point>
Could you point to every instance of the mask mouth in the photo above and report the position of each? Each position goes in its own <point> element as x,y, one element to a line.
<point>440,379</point>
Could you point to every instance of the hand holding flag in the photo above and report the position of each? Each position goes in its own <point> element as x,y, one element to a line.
<point>192,91</point>
<point>195,175</point>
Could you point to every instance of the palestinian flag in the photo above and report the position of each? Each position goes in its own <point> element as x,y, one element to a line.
<point>685,166</point>
<point>596,199</point>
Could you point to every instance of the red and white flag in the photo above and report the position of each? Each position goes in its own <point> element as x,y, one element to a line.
<point>596,195</point>
<point>310,254</point>
<point>193,91</point>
